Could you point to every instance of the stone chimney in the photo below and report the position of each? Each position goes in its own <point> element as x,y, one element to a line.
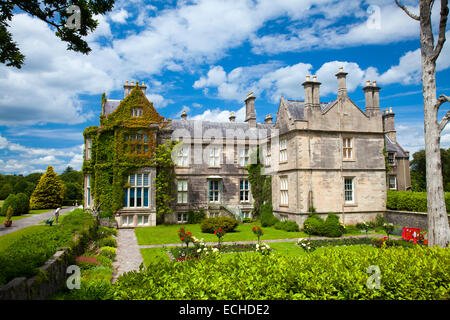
<point>268,119</point>
<point>184,115</point>
<point>232,117</point>
<point>389,124</point>
<point>250,113</point>
<point>372,97</point>
<point>342,82</point>
<point>129,87</point>
<point>312,96</point>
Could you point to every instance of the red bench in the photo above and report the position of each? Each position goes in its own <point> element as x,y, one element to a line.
<point>412,233</point>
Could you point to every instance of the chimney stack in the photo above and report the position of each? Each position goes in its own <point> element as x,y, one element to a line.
<point>342,82</point>
<point>232,117</point>
<point>250,113</point>
<point>389,124</point>
<point>184,115</point>
<point>129,87</point>
<point>312,96</point>
<point>372,96</point>
<point>268,119</point>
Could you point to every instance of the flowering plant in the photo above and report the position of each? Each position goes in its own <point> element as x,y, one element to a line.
<point>264,248</point>
<point>389,228</point>
<point>219,233</point>
<point>185,237</point>
<point>306,245</point>
<point>382,243</point>
<point>258,231</point>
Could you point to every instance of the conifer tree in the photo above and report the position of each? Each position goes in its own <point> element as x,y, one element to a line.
<point>49,192</point>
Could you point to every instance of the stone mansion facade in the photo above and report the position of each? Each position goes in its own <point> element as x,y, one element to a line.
<point>330,156</point>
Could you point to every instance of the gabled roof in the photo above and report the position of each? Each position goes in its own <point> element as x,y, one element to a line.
<point>110,106</point>
<point>393,146</point>
<point>296,108</point>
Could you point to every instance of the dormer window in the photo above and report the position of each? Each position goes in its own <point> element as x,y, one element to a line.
<point>136,112</point>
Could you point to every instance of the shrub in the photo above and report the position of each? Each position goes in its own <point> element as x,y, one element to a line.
<point>351,229</point>
<point>108,241</point>
<point>9,213</point>
<point>313,225</point>
<point>379,220</point>
<point>103,232</point>
<point>305,277</point>
<point>109,252</point>
<point>104,261</point>
<point>86,262</point>
<point>196,216</point>
<point>332,227</point>
<point>23,203</point>
<point>267,217</point>
<point>411,201</point>
<point>49,192</point>
<point>93,289</point>
<point>11,201</point>
<point>289,226</point>
<point>247,220</point>
<point>106,213</point>
<point>209,225</point>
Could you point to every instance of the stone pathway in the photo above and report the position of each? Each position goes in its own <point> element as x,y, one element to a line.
<point>128,256</point>
<point>34,219</point>
<point>370,235</point>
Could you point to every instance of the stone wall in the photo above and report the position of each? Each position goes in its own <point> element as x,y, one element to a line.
<point>408,219</point>
<point>50,278</point>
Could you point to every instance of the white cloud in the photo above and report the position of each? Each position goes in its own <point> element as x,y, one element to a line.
<point>119,16</point>
<point>218,115</point>
<point>158,100</point>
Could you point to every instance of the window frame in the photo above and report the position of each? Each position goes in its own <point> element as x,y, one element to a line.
<point>183,192</point>
<point>283,150</point>
<point>139,187</point>
<point>217,199</point>
<point>183,154</point>
<point>214,156</point>
<point>348,148</point>
<point>244,191</point>
<point>352,201</point>
<point>284,191</point>
<point>395,182</point>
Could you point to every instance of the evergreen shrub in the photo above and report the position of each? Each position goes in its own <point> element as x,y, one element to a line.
<point>289,226</point>
<point>267,217</point>
<point>209,225</point>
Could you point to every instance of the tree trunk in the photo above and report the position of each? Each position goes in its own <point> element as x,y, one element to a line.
<point>437,213</point>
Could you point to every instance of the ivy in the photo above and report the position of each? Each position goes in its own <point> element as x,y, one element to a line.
<point>261,184</point>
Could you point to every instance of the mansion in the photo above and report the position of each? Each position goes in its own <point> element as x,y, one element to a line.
<point>326,155</point>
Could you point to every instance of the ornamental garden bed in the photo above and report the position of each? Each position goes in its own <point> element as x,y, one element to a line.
<point>196,252</point>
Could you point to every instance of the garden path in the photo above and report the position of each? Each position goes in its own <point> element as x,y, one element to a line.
<point>35,219</point>
<point>128,256</point>
<point>371,235</point>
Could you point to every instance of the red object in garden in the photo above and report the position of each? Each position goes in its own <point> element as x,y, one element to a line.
<point>412,233</point>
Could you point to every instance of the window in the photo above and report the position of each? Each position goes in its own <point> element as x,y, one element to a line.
<point>88,149</point>
<point>214,156</point>
<point>244,190</point>
<point>284,196</point>
<point>182,217</point>
<point>138,194</point>
<point>283,150</point>
<point>348,190</point>
<point>214,190</point>
<point>136,112</point>
<point>393,182</point>
<point>245,214</point>
<point>88,190</point>
<point>127,220</point>
<point>142,220</point>
<point>182,191</point>
<point>183,157</point>
<point>348,149</point>
<point>137,143</point>
<point>213,214</point>
<point>391,158</point>
<point>243,157</point>
<point>283,217</point>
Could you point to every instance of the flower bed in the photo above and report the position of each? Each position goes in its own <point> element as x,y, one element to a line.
<point>182,254</point>
<point>313,244</point>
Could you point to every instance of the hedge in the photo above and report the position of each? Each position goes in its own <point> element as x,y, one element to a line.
<point>331,227</point>
<point>411,201</point>
<point>267,217</point>
<point>23,257</point>
<point>418,273</point>
<point>20,203</point>
<point>209,225</point>
<point>288,226</point>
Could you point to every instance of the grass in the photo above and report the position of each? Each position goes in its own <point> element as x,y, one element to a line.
<point>154,255</point>
<point>9,238</point>
<point>167,234</point>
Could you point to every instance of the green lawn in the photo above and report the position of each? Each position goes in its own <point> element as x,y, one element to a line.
<point>9,238</point>
<point>167,234</point>
<point>154,255</point>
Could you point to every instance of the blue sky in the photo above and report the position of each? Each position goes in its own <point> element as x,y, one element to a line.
<point>204,56</point>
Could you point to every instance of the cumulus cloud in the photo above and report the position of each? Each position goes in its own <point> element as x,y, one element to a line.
<point>218,115</point>
<point>119,16</point>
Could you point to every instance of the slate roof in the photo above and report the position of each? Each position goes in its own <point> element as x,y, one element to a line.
<point>223,128</point>
<point>393,146</point>
<point>296,108</point>
<point>111,105</point>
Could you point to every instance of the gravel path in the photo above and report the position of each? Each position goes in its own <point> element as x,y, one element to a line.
<point>128,256</point>
<point>35,219</point>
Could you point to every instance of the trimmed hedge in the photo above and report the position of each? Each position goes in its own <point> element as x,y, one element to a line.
<point>267,217</point>
<point>411,201</point>
<point>331,227</point>
<point>209,225</point>
<point>418,273</point>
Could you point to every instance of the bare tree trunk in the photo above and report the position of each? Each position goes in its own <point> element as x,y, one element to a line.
<point>438,230</point>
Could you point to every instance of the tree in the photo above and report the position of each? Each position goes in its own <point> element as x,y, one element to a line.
<point>5,191</point>
<point>58,14</point>
<point>418,170</point>
<point>49,192</point>
<point>438,231</point>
